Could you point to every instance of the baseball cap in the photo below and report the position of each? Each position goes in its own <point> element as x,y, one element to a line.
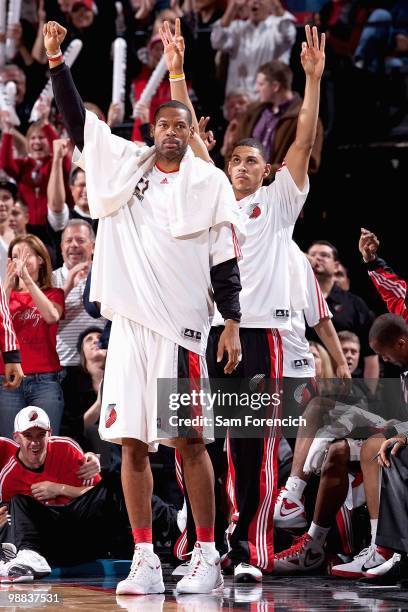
<point>10,186</point>
<point>86,3</point>
<point>31,416</point>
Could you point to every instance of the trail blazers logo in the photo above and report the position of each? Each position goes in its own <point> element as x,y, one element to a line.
<point>33,416</point>
<point>111,415</point>
<point>256,211</point>
<point>140,188</point>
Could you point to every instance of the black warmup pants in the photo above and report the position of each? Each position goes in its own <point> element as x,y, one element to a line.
<point>91,526</point>
<point>392,529</point>
<point>252,462</point>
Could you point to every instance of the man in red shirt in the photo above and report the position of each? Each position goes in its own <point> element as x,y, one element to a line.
<point>54,512</point>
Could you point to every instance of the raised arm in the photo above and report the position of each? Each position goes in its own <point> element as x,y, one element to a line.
<point>313,59</point>
<point>392,288</point>
<point>67,98</point>
<point>174,55</point>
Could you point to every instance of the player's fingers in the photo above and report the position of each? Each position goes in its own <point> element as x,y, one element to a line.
<point>396,448</point>
<point>322,42</point>
<point>220,350</point>
<point>315,37</point>
<point>308,36</point>
<point>177,28</point>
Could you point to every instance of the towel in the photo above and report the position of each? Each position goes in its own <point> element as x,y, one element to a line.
<point>202,196</point>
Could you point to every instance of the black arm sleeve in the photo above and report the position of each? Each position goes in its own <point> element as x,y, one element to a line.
<point>69,103</point>
<point>226,282</point>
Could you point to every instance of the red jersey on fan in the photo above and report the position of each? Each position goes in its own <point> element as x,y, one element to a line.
<point>37,339</point>
<point>8,449</point>
<point>63,460</point>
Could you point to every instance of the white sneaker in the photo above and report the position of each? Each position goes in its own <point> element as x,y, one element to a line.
<point>182,569</point>
<point>204,573</point>
<point>289,511</point>
<point>304,556</point>
<point>383,568</point>
<point>145,576</point>
<point>368,558</point>
<point>247,573</point>
<point>26,566</point>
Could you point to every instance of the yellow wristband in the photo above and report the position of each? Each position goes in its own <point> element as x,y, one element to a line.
<point>177,76</point>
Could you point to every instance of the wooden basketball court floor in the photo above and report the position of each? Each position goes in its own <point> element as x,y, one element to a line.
<point>295,593</point>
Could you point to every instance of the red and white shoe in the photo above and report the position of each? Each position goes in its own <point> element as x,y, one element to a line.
<point>289,511</point>
<point>367,559</point>
<point>304,556</point>
<point>145,577</point>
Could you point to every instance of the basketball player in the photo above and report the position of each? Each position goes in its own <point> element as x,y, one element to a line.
<point>165,243</point>
<point>270,214</point>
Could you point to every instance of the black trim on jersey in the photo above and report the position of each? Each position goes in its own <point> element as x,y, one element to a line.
<point>226,283</point>
<point>69,103</point>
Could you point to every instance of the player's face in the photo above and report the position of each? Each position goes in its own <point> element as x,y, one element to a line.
<point>33,446</point>
<point>396,353</point>
<point>79,193</point>
<point>247,169</point>
<point>322,259</point>
<point>171,133</point>
<point>351,351</point>
<point>6,204</point>
<point>92,351</point>
<point>18,219</point>
<point>76,245</point>
<point>318,361</point>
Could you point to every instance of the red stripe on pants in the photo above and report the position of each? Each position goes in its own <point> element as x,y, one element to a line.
<point>260,532</point>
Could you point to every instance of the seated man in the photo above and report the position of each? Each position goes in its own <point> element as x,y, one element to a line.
<point>335,485</point>
<point>55,514</point>
<point>388,511</point>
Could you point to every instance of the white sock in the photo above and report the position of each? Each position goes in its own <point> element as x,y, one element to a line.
<point>317,533</point>
<point>208,548</point>
<point>374,523</point>
<point>296,486</point>
<point>145,546</point>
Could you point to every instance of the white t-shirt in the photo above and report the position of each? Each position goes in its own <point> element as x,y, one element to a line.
<point>167,278</point>
<point>298,361</point>
<point>75,321</point>
<point>270,215</point>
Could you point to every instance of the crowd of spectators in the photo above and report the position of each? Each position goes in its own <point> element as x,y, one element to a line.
<point>242,72</point>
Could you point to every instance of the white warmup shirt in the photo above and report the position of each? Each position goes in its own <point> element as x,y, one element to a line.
<point>298,361</point>
<point>141,271</point>
<point>250,45</point>
<point>270,215</point>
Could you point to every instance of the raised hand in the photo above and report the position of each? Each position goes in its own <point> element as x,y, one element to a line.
<point>312,54</point>
<point>206,136</point>
<point>368,245</point>
<point>59,148</point>
<point>54,35</point>
<point>20,263</point>
<point>173,47</point>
